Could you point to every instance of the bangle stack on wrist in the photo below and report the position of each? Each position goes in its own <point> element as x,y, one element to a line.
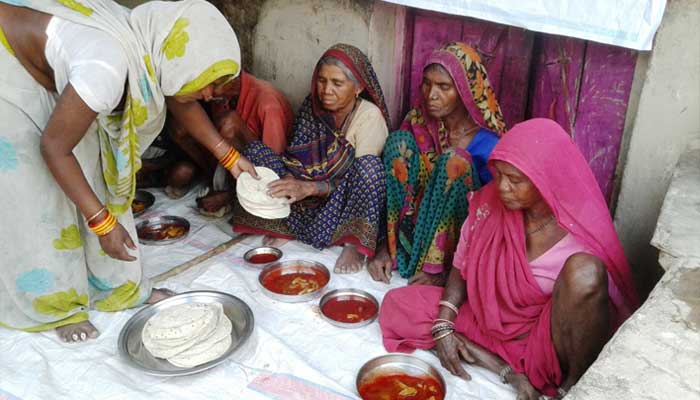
<point>442,328</point>
<point>229,159</point>
<point>102,226</point>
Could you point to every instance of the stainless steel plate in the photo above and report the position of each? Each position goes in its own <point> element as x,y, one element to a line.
<point>339,293</point>
<point>292,266</point>
<point>262,250</point>
<point>158,223</point>
<point>397,363</point>
<point>131,347</point>
<point>146,198</point>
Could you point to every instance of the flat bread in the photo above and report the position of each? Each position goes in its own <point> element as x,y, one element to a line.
<point>253,197</point>
<point>188,334</point>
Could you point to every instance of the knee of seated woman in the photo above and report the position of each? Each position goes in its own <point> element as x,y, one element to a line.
<point>584,275</point>
<point>370,167</point>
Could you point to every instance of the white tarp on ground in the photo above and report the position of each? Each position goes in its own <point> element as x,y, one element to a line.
<point>626,23</point>
<point>293,354</point>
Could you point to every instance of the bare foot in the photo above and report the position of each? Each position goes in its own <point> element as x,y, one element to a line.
<point>175,192</point>
<point>523,387</point>
<point>77,332</point>
<point>350,261</point>
<point>272,241</point>
<point>159,294</point>
<point>380,266</point>
<point>212,202</point>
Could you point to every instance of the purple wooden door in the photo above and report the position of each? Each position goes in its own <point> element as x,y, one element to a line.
<point>582,85</point>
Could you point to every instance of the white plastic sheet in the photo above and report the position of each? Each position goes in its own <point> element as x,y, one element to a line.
<point>293,355</point>
<point>626,23</point>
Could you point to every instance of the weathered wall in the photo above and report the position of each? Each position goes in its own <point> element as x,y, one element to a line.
<point>243,16</point>
<point>291,36</point>
<point>661,123</point>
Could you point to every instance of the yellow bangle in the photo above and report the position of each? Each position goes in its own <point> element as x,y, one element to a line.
<point>230,158</point>
<point>105,226</point>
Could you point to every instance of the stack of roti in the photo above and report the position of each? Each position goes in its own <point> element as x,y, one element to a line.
<point>188,335</point>
<point>253,197</point>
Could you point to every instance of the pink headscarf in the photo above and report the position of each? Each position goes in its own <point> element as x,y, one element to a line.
<point>506,301</point>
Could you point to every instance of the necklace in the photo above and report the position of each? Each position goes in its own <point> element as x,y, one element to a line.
<point>541,226</point>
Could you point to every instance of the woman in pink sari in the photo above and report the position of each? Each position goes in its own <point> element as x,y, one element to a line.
<point>540,279</point>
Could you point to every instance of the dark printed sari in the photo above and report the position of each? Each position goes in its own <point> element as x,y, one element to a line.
<point>319,152</point>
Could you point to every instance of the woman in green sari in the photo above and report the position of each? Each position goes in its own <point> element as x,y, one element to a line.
<point>433,161</point>
<point>84,91</point>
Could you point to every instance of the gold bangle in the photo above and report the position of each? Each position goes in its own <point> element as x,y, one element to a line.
<point>95,215</point>
<point>220,143</point>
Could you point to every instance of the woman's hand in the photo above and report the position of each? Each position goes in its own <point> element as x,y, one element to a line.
<point>243,165</point>
<point>116,242</point>
<point>449,350</point>
<point>294,189</point>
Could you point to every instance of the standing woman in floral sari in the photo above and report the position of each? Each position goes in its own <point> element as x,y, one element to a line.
<point>433,161</point>
<point>331,171</point>
<point>83,92</point>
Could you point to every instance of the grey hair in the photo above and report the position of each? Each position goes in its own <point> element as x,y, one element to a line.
<point>330,60</point>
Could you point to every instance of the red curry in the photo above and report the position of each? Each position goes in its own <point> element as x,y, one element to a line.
<point>161,232</point>
<point>263,258</point>
<point>401,387</point>
<point>349,309</point>
<point>300,282</point>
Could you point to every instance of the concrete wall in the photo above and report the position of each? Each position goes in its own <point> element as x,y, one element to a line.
<point>291,35</point>
<point>661,122</point>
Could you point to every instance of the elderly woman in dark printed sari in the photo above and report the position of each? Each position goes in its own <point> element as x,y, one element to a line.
<point>331,172</point>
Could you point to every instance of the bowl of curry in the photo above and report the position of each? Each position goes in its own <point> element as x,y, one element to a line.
<point>397,376</point>
<point>260,257</point>
<point>162,230</point>
<point>294,281</point>
<point>143,200</point>
<point>349,308</point>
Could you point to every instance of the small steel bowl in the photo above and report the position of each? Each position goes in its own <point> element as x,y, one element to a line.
<point>393,363</point>
<point>338,293</point>
<point>292,266</point>
<point>146,198</point>
<point>159,223</point>
<point>262,250</point>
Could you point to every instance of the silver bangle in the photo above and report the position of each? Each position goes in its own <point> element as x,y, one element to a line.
<point>449,305</point>
<point>507,370</point>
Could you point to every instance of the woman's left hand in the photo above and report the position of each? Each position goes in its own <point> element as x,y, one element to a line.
<point>294,189</point>
<point>243,165</point>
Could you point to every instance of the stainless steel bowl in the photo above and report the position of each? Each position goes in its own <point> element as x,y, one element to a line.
<point>262,250</point>
<point>292,266</point>
<point>397,363</point>
<point>146,197</point>
<point>344,293</point>
<point>132,350</point>
<point>160,222</point>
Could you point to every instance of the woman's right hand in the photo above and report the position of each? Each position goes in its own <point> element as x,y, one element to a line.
<point>449,350</point>
<point>116,242</point>
<point>243,165</point>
